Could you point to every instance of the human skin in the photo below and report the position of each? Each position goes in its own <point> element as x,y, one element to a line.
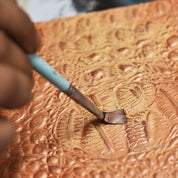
<point>18,36</point>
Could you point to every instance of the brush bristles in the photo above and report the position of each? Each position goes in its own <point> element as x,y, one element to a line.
<point>115,117</point>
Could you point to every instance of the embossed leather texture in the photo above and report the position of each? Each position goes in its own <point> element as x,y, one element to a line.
<point>119,58</point>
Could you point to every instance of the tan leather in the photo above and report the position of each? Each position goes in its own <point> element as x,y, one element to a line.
<point>119,58</point>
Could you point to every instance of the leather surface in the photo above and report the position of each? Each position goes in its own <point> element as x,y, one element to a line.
<point>119,58</point>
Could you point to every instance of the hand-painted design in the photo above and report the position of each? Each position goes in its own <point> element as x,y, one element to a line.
<point>68,130</point>
<point>106,142</point>
<point>137,136</point>
<point>135,97</point>
<point>168,104</point>
<point>120,58</point>
<point>156,125</point>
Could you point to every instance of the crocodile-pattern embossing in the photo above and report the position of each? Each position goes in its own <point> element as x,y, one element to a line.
<point>119,58</point>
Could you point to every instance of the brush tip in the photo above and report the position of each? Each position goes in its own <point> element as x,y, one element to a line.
<point>115,117</point>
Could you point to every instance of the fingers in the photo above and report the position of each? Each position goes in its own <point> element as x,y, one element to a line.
<point>15,88</point>
<point>6,134</point>
<point>18,26</point>
<point>12,54</point>
<point>15,74</point>
<point>17,37</point>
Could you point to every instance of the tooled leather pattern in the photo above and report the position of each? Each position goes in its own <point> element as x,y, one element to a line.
<point>121,58</point>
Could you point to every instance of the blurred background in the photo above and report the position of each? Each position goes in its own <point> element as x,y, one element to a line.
<point>43,10</point>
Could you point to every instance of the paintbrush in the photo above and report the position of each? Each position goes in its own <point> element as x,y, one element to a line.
<point>42,67</point>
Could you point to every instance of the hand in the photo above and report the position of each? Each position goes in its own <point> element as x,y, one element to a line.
<point>17,37</point>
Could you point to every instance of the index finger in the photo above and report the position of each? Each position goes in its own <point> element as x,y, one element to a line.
<point>18,26</point>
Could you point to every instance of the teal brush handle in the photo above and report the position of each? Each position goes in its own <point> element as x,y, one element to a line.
<point>54,77</point>
<point>48,72</point>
